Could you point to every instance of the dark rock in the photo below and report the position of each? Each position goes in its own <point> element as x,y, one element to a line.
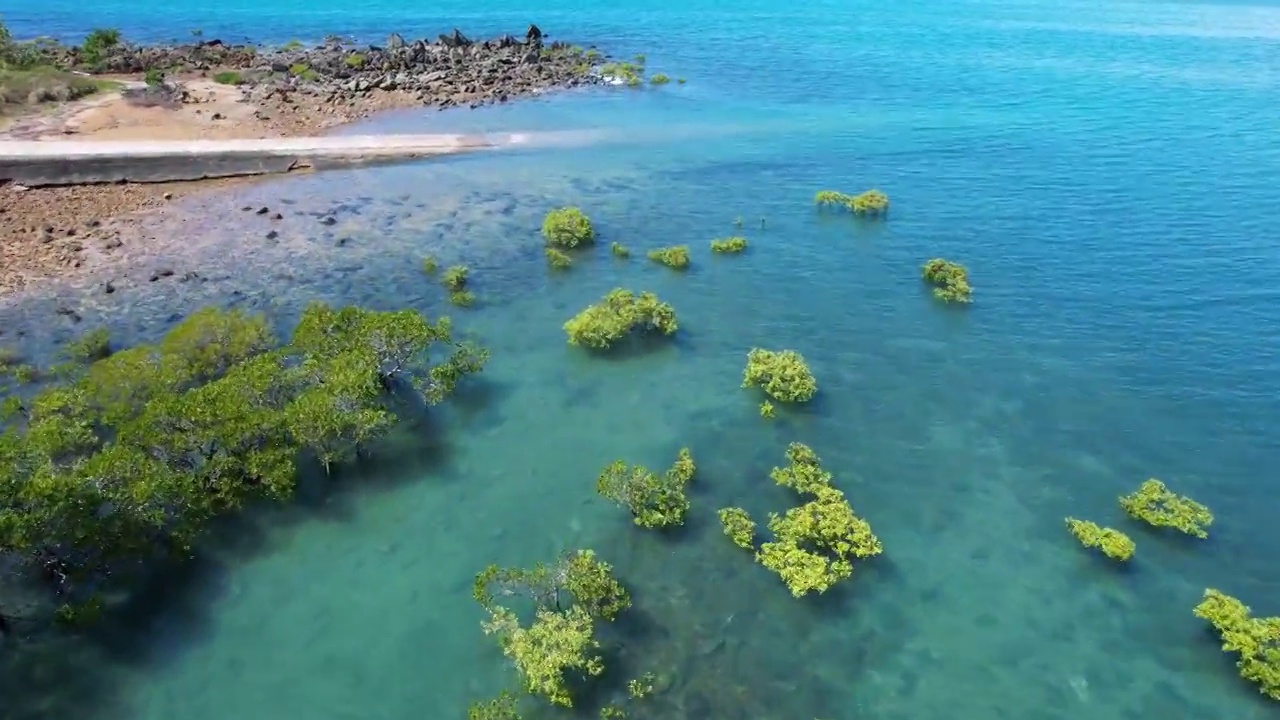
<point>277,216</point>
<point>108,287</point>
<point>68,312</point>
<point>455,39</point>
<point>328,220</point>
<point>452,71</point>
<point>263,210</point>
<point>272,235</point>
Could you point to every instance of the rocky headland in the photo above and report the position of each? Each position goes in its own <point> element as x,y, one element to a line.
<point>214,90</point>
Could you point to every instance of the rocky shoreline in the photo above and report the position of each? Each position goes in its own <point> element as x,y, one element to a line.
<point>261,92</point>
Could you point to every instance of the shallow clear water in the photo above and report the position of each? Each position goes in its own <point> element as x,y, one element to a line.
<point>1106,172</point>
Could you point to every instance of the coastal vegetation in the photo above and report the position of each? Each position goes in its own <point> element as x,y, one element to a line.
<point>654,501</point>
<point>620,313</point>
<point>130,454</point>
<point>814,544</point>
<point>1255,640</point>
<point>739,527</point>
<point>127,456</point>
<point>1113,543</point>
<point>675,257</point>
<point>559,646</point>
<point>28,77</point>
<point>950,280</point>
<point>871,202</point>
<point>558,259</point>
<point>1158,506</point>
<point>729,245</point>
<point>567,227</point>
<point>782,374</point>
<point>455,280</point>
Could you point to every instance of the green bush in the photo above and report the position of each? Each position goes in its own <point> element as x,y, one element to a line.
<point>619,250</point>
<point>871,202</point>
<point>567,227</point>
<point>950,281</point>
<point>1158,506</point>
<point>654,501</point>
<point>97,43</point>
<point>455,278</point>
<point>558,259</point>
<point>354,60</point>
<point>659,79</point>
<point>1113,543</point>
<point>617,315</point>
<point>729,245</point>
<point>815,544</point>
<point>129,456</point>
<point>568,598</point>
<point>1255,640</point>
<point>675,257</point>
<point>739,527</point>
<point>228,77</point>
<point>783,375</point>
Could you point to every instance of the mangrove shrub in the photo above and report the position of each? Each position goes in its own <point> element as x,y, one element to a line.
<point>502,707</point>
<point>569,597</point>
<point>558,259</point>
<point>1157,505</point>
<point>675,257</point>
<point>1113,543</point>
<point>554,644</point>
<point>870,202</point>
<point>783,375</point>
<point>134,453</point>
<point>455,281</point>
<point>653,501</point>
<point>950,280</point>
<point>617,315</point>
<point>1255,640</point>
<point>567,227</point>
<point>814,544</point>
<point>739,527</point>
<point>729,245</point>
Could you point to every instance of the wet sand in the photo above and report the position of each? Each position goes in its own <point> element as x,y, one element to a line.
<point>45,232</point>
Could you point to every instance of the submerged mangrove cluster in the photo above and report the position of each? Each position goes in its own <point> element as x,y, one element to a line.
<point>122,456</point>
<point>815,543</point>
<point>1153,504</point>
<point>950,280</point>
<point>127,456</point>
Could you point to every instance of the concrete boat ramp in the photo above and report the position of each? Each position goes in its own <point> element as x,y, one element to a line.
<point>38,163</point>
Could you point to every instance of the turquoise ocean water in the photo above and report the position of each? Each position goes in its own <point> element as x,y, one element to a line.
<point>1107,171</point>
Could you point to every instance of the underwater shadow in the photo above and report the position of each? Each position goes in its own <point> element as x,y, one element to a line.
<point>641,345</point>
<point>55,678</point>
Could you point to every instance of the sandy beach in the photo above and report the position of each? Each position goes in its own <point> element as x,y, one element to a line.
<point>214,91</point>
<point>46,229</point>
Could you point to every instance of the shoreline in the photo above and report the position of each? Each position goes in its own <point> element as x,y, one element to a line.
<point>214,91</point>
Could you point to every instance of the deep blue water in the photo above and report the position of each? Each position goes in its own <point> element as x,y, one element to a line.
<point>1105,170</point>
